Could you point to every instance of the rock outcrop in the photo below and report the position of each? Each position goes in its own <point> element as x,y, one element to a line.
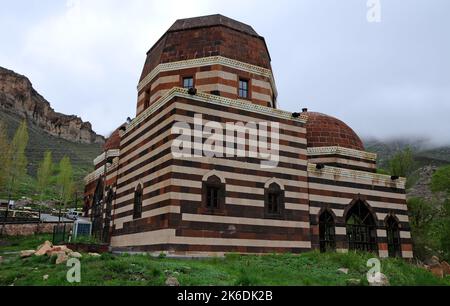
<point>422,188</point>
<point>61,252</point>
<point>18,96</point>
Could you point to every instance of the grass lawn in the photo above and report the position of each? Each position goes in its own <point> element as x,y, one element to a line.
<point>142,270</point>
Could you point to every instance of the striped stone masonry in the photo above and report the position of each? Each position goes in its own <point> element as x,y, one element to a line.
<point>337,189</point>
<point>321,181</point>
<point>217,75</point>
<point>173,187</point>
<point>343,158</point>
<point>173,220</point>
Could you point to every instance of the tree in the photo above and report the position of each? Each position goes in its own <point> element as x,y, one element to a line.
<point>44,173</point>
<point>4,157</point>
<point>445,235</point>
<point>424,220</point>
<point>402,163</point>
<point>440,182</point>
<point>65,181</point>
<point>421,213</point>
<point>18,160</point>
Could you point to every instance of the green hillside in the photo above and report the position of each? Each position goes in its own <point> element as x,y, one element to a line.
<point>81,155</point>
<point>423,154</point>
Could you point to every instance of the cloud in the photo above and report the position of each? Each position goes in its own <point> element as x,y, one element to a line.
<point>92,53</point>
<point>386,79</point>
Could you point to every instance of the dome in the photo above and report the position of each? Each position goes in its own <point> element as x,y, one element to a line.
<point>326,131</point>
<point>207,36</point>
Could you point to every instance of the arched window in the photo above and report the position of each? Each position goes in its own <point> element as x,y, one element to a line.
<point>137,210</point>
<point>393,237</point>
<point>274,203</point>
<point>213,193</point>
<point>108,215</point>
<point>327,233</point>
<point>361,228</point>
<point>97,210</point>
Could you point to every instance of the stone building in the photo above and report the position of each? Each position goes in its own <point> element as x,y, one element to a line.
<point>310,185</point>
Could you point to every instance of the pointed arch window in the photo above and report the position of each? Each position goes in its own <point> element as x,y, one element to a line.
<point>393,237</point>
<point>108,215</point>
<point>327,232</point>
<point>274,201</point>
<point>361,228</point>
<point>137,209</point>
<point>213,194</point>
<point>97,210</point>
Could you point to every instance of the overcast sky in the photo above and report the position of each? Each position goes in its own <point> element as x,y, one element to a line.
<point>384,79</point>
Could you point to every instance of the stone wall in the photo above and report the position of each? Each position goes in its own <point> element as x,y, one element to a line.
<point>31,229</point>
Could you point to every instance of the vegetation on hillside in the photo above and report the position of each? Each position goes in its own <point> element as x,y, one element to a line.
<point>430,220</point>
<point>14,174</point>
<point>81,156</point>
<point>312,268</point>
<point>423,153</point>
<point>44,174</point>
<point>402,163</point>
<point>441,180</point>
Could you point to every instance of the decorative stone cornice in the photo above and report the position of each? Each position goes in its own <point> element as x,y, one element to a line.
<point>106,155</point>
<point>208,98</point>
<point>209,61</point>
<point>95,175</point>
<point>358,175</point>
<point>319,151</point>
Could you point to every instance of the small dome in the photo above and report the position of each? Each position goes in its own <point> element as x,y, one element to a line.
<point>326,131</point>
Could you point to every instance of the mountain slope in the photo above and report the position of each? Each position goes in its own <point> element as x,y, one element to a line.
<point>423,154</point>
<point>80,154</point>
<point>18,96</point>
<point>61,134</point>
<point>426,159</point>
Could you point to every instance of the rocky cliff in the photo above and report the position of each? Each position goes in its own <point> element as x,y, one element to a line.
<point>18,96</point>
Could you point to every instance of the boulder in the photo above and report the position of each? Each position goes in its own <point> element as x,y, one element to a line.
<point>26,253</point>
<point>172,282</point>
<point>45,277</point>
<point>51,254</point>
<point>62,258</point>
<point>444,264</point>
<point>75,255</point>
<point>58,249</point>
<point>353,282</point>
<point>437,270</point>
<point>432,261</point>
<point>44,248</point>
<point>343,270</point>
<point>61,248</point>
<point>380,280</point>
<point>185,269</point>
